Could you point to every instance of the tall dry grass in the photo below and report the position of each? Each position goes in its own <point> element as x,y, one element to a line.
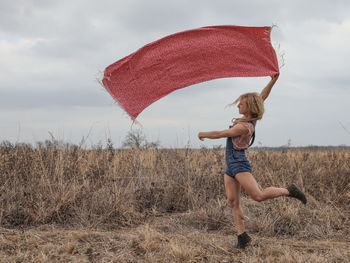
<point>110,189</point>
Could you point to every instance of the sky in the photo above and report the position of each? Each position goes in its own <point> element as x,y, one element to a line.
<point>52,54</point>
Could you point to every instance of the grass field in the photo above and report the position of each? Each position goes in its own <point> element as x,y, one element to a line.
<point>67,204</point>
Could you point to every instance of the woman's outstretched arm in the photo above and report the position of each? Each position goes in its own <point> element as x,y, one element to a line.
<point>266,91</point>
<point>236,130</point>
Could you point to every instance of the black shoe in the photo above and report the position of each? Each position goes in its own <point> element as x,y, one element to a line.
<point>296,193</point>
<point>243,240</point>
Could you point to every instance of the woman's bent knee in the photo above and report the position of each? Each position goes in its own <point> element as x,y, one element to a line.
<point>258,197</point>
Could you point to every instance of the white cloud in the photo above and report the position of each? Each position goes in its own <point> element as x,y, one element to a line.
<point>51,51</point>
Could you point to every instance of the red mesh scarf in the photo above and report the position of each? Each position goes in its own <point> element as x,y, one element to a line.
<point>187,58</point>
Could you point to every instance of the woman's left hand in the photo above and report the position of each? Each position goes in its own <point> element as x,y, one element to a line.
<point>201,136</point>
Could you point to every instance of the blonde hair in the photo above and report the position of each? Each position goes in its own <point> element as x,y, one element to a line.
<point>255,105</point>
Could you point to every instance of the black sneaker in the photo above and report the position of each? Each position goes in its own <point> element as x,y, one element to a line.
<point>296,193</point>
<point>243,240</point>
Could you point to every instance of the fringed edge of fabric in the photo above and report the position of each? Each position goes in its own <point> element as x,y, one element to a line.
<point>279,52</point>
<point>100,77</point>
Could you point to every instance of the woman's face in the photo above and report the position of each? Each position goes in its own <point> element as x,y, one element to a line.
<point>242,107</point>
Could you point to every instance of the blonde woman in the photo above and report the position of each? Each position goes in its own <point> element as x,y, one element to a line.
<point>238,169</point>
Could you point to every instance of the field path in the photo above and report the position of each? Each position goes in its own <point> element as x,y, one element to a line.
<point>158,241</point>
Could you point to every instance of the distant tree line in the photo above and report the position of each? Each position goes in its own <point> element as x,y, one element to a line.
<point>136,139</point>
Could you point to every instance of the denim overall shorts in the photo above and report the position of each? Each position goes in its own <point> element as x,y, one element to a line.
<point>236,161</point>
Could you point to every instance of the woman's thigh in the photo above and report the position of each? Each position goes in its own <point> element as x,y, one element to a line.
<point>232,187</point>
<point>248,182</point>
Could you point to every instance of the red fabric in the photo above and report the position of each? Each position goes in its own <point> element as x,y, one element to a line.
<point>187,58</point>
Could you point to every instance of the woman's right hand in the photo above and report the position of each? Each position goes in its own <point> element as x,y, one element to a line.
<point>266,91</point>
<point>275,77</point>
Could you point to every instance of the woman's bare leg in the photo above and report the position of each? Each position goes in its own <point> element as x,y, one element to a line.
<point>233,192</point>
<point>247,181</point>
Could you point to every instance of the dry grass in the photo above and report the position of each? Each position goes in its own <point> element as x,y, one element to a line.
<point>148,243</point>
<point>105,205</point>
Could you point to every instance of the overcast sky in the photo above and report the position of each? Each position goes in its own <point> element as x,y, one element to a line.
<point>51,53</point>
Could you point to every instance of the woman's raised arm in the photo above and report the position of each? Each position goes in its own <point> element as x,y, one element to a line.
<point>266,91</point>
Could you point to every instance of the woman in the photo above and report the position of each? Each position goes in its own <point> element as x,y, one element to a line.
<point>238,169</point>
